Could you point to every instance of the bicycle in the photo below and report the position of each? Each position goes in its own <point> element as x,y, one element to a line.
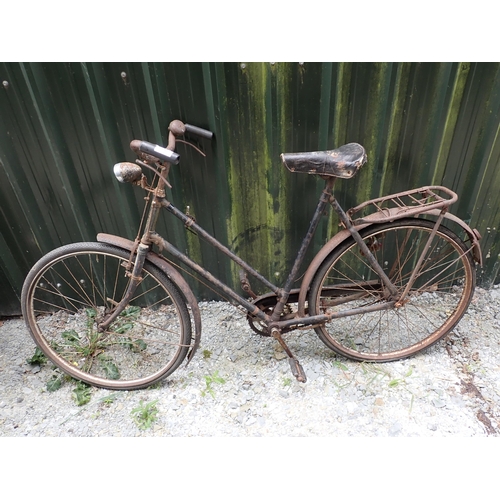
<point>392,281</point>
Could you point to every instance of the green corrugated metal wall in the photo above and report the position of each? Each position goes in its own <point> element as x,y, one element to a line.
<point>63,126</point>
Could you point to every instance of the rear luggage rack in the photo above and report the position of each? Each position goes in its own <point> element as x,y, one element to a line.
<point>404,204</point>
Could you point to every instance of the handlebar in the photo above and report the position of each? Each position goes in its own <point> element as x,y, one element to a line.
<point>178,128</point>
<point>191,129</point>
<point>155,150</point>
<point>168,154</point>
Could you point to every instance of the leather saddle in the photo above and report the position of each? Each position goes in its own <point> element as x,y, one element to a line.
<point>342,162</point>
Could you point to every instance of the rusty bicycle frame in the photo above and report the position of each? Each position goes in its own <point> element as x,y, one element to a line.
<point>433,200</point>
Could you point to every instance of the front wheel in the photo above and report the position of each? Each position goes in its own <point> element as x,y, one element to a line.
<point>436,301</point>
<point>71,289</point>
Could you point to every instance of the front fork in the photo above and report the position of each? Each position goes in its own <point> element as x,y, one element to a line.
<point>135,280</point>
<point>136,274</point>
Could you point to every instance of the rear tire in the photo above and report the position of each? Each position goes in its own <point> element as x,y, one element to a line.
<point>64,298</point>
<point>436,302</point>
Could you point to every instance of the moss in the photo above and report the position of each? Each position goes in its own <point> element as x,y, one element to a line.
<point>259,216</point>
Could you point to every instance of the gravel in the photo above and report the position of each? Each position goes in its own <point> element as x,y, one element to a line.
<point>240,384</point>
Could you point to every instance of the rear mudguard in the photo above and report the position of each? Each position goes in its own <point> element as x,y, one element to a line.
<point>341,236</point>
<point>163,264</point>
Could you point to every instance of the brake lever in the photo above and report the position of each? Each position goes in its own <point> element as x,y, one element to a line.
<point>192,145</point>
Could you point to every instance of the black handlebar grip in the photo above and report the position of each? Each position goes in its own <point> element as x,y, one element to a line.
<point>155,150</point>
<point>198,131</point>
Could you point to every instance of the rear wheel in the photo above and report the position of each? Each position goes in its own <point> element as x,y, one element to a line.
<point>436,301</point>
<point>69,291</point>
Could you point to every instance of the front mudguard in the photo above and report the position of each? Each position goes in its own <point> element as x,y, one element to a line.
<point>341,236</point>
<point>163,264</point>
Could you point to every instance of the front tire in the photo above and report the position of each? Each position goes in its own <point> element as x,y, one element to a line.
<point>66,295</point>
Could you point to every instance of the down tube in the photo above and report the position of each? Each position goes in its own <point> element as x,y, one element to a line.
<point>212,279</point>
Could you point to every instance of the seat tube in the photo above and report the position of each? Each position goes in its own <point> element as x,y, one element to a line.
<point>320,209</point>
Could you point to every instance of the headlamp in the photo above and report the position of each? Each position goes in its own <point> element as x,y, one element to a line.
<point>127,172</point>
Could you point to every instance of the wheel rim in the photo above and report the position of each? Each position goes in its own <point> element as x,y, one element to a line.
<point>68,298</point>
<point>436,302</point>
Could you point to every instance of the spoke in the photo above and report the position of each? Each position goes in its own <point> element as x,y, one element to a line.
<point>149,290</point>
<point>82,284</point>
<point>441,272</point>
<point>416,322</point>
<point>372,319</point>
<point>61,296</point>
<point>397,263</point>
<point>84,294</point>
<point>150,340</point>
<point>351,280</point>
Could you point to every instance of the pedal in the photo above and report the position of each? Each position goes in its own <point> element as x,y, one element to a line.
<point>297,370</point>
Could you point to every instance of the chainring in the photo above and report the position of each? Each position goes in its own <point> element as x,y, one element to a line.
<point>266,303</point>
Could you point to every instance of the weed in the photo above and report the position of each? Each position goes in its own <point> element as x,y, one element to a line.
<point>207,354</point>
<point>374,371</point>
<point>38,358</point>
<point>107,400</point>
<point>156,385</point>
<point>397,381</point>
<point>211,379</point>
<point>145,414</point>
<point>340,365</point>
<point>125,323</point>
<point>82,393</point>
<point>109,367</point>
<point>367,372</point>
<point>287,381</point>
<point>56,380</point>
<point>86,348</point>
<point>402,382</point>
<point>54,383</point>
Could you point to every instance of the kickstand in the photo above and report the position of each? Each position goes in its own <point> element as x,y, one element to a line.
<point>297,370</point>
